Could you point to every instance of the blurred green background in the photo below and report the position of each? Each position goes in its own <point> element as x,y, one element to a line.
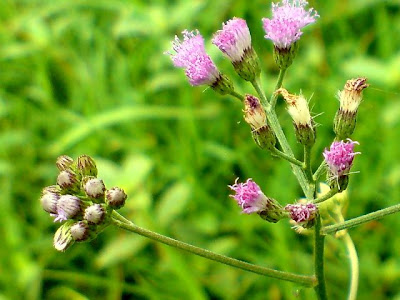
<point>90,77</point>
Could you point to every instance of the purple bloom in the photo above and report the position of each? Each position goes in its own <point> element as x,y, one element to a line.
<point>234,39</point>
<point>340,157</point>
<point>191,56</point>
<point>249,196</point>
<point>68,207</point>
<point>302,213</point>
<point>288,18</point>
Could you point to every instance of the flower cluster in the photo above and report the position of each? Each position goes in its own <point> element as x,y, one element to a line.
<point>81,200</point>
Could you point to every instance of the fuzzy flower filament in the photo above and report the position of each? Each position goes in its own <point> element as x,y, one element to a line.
<point>302,214</point>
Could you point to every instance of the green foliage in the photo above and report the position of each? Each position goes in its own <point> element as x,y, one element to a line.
<point>90,77</point>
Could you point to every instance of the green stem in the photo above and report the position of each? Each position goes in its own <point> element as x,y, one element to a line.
<point>354,270</point>
<point>362,219</point>
<point>277,129</point>
<point>321,169</point>
<point>236,95</point>
<point>274,96</point>
<point>307,163</point>
<point>332,192</point>
<point>287,157</point>
<point>257,86</point>
<point>308,281</point>
<point>319,261</point>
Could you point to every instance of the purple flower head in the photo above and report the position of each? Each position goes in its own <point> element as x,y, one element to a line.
<point>249,196</point>
<point>302,213</point>
<point>288,18</point>
<point>68,207</point>
<point>340,157</point>
<point>234,39</point>
<point>191,56</point>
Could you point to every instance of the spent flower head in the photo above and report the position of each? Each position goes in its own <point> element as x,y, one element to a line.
<point>288,19</point>
<point>340,156</point>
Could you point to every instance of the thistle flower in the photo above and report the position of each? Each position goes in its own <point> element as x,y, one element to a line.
<point>80,231</point>
<point>234,41</point>
<point>288,18</point>
<point>251,199</point>
<point>64,162</point>
<point>68,207</point>
<point>191,55</point>
<point>350,99</point>
<point>95,214</point>
<point>94,188</point>
<point>284,28</point>
<point>300,113</point>
<point>340,156</point>
<point>302,214</point>
<point>67,180</point>
<point>115,197</point>
<point>49,198</point>
<point>63,238</point>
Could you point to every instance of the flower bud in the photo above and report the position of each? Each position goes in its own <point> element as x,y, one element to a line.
<point>68,207</point>
<point>350,99</point>
<point>95,214</point>
<point>303,214</point>
<point>49,198</point>
<point>251,199</point>
<point>80,231</point>
<point>115,197</point>
<point>94,187</point>
<point>300,113</point>
<point>64,162</point>
<point>86,166</point>
<point>68,180</point>
<point>63,238</point>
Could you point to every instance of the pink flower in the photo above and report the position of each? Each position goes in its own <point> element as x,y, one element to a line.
<point>340,157</point>
<point>191,56</point>
<point>234,39</point>
<point>288,18</point>
<point>249,197</point>
<point>302,213</point>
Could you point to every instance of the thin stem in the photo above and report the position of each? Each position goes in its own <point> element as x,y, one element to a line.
<point>307,163</point>
<point>274,96</point>
<point>354,269</point>
<point>362,219</point>
<point>332,192</point>
<point>321,169</point>
<point>287,157</point>
<point>319,261</point>
<point>308,281</point>
<point>257,86</point>
<point>236,95</point>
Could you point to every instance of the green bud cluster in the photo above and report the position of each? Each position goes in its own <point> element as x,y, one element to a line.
<point>81,200</point>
